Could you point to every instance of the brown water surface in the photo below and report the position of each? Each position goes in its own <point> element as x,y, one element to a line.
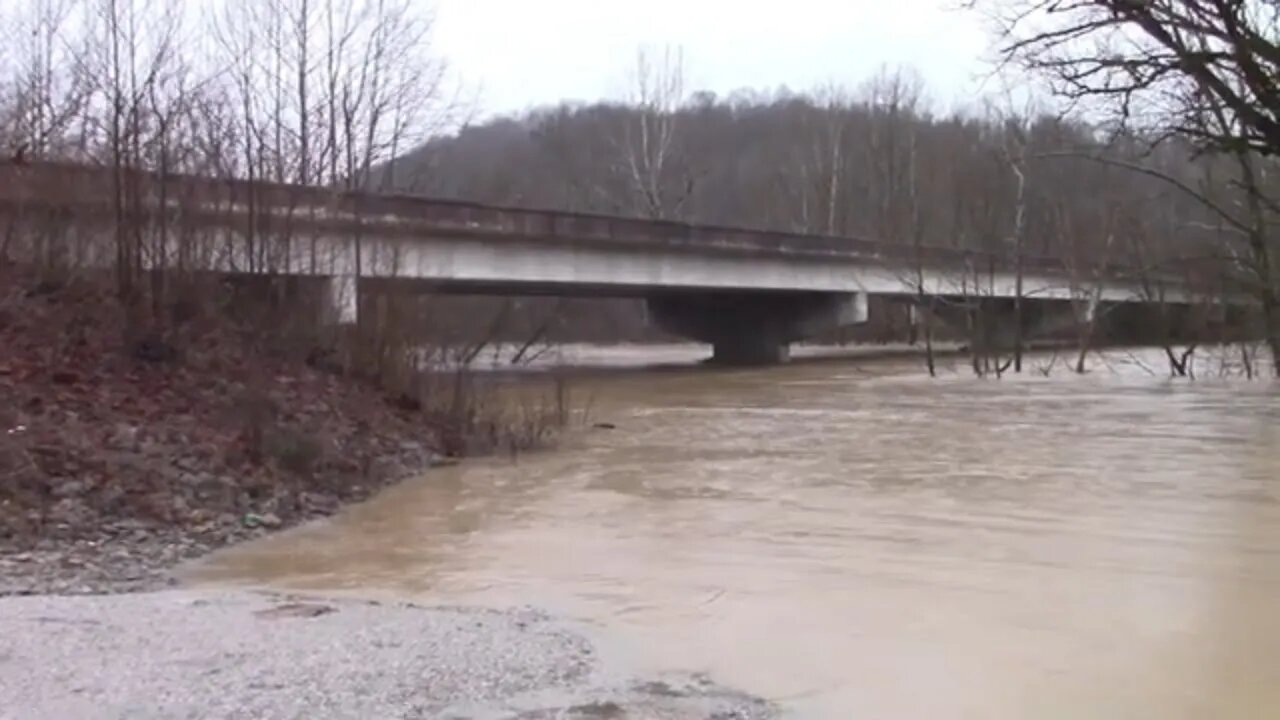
<point>857,540</point>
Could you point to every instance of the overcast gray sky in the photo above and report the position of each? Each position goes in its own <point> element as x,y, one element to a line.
<point>522,53</point>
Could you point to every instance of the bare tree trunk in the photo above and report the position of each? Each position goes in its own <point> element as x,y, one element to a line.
<point>924,302</point>
<point>647,143</point>
<point>1019,234</point>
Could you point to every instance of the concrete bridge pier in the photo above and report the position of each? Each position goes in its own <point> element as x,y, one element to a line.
<point>754,328</point>
<point>747,350</point>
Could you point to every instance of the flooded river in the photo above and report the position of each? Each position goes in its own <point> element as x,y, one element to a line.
<point>855,540</point>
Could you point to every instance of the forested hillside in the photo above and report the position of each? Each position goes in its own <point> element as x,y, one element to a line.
<point>873,162</point>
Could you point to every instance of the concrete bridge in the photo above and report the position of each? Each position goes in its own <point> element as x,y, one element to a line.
<point>748,293</point>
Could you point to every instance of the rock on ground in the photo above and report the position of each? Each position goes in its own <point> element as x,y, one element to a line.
<point>180,654</point>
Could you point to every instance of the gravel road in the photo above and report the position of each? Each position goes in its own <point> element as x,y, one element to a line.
<point>188,655</point>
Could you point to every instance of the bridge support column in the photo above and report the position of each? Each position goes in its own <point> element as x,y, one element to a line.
<point>749,350</point>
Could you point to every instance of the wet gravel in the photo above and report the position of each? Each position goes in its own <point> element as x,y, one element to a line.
<point>122,557</point>
<point>186,654</point>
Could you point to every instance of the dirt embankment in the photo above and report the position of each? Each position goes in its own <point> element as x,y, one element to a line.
<point>119,458</point>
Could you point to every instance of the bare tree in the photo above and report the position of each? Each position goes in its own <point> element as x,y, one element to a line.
<point>828,130</point>
<point>43,94</point>
<point>1015,127</point>
<point>135,46</point>
<point>893,98</point>
<point>1203,70</point>
<point>648,142</point>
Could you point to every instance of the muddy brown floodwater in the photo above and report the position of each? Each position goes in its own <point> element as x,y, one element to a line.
<point>858,541</point>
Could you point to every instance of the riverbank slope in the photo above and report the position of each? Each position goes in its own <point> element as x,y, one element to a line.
<point>119,458</point>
